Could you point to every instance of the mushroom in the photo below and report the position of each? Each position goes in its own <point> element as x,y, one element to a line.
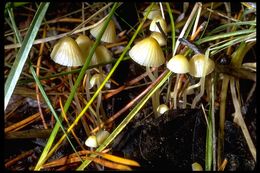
<point>84,44</point>
<point>200,67</point>
<point>197,64</point>
<point>67,52</point>
<point>159,38</point>
<point>91,142</point>
<point>97,79</point>
<point>102,55</point>
<point>161,109</point>
<point>178,64</point>
<point>148,53</point>
<point>102,136</point>
<point>155,11</point>
<point>94,141</point>
<point>196,167</point>
<point>153,26</point>
<point>109,35</point>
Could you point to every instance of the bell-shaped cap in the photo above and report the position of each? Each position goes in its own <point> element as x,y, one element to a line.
<point>159,38</point>
<point>67,52</point>
<point>197,64</point>
<point>102,136</point>
<point>147,52</point>
<point>95,79</point>
<point>178,64</point>
<point>84,44</point>
<point>91,141</point>
<point>155,11</point>
<point>153,26</point>
<point>109,35</point>
<point>161,109</point>
<point>102,55</point>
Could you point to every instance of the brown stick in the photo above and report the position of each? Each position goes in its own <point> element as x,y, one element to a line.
<point>21,156</point>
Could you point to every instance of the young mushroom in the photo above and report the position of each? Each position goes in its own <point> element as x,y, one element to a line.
<point>102,136</point>
<point>200,67</point>
<point>67,52</point>
<point>159,38</point>
<point>97,79</point>
<point>109,35</point>
<point>178,64</point>
<point>197,65</point>
<point>84,44</point>
<point>161,109</point>
<point>154,27</point>
<point>102,55</point>
<point>155,11</point>
<point>148,53</point>
<point>91,142</point>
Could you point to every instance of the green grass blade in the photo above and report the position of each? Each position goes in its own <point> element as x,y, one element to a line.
<point>225,35</point>
<point>128,118</point>
<point>14,27</point>
<point>51,108</point>
<point>172,26</point>
<point>23,52</point>
<point>10,5</point>
<point>209,144</point>
<point>225,26</point>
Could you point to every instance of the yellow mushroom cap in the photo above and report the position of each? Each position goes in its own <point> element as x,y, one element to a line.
<point>153,26</point>
<point>155,11</point>
<point>102,55</point>
<point>161,109</point>
<point>91,141</point>
<point>84,44</point>
<point>102,136</point>
<point>178,64</point>
<point>95,79</point>
<point>147,52</point>
<point>67,52</point>
<point>109,35</point>
<point>196,167</point>
<point>159,38</point>
<point>197,63</point>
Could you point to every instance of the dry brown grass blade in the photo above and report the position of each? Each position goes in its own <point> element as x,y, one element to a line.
<point>113,165</point>
<point>66,119</point>
<point>119,159</point>
<point>23,123</point>
<point>38,96</point>
<point>19,157</point>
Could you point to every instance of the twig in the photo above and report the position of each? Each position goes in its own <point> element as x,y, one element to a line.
<point>36,86</point>
<point>19,157</point>
<point>74,31</point>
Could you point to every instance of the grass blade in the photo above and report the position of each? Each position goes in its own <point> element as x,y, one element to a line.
<point>50,107</point>
<point>23,52</point>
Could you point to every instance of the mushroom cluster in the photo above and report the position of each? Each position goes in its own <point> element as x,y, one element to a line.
<point>198,66</point>
<point>148,51</point>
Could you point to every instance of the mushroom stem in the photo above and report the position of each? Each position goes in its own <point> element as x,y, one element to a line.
<point>98,105</point>
<point>184,96</point>
<point>155,96</point>
<point>101,105</point>
<point>83,120</point>
<point>175,91</point>
<point>197,98</point>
